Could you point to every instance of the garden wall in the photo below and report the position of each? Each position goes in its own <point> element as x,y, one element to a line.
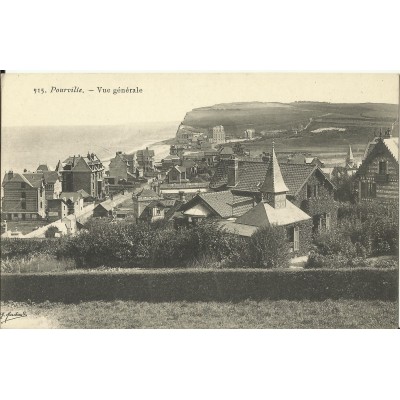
<point>202,285</point>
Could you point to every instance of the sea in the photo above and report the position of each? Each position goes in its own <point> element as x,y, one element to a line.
<point>28,147</point>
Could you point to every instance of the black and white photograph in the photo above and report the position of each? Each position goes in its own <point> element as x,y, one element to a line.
<point>199,200</point>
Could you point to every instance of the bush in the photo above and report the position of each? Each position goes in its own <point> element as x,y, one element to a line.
<point>268,247</point>
<point>202,285</point>
<point>151,245</point>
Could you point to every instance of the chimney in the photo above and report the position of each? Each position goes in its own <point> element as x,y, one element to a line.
<point>10,175</point>
<point>233,172</point>
<point>388,133</point>
<point>182,196</point>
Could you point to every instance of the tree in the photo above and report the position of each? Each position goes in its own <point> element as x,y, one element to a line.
<point>51,232</point>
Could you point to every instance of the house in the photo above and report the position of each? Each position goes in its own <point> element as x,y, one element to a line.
<point>103,211</point>
<point>24,196</point>
<point>308,187</point>
<point>249,134</point>
<point>305,159</point>
<point>275,209</point>
<point>377,178</point>
<point>53,186</point>
<point>74,201</point>
<point>145,159</point>
<point>187,188</point>
<point>222,204</point>
<point>176,174</point>
<point>42,168</point>
<point>123,167</point>
<point>57,209</point>
<point>211,157</point>
<point>170,161</point>
<point>142,199</point>
<point>154,211</point>
<point>85,196</point>
<point>217,135</point>
<point>225,153</point>
<point>83,173</point>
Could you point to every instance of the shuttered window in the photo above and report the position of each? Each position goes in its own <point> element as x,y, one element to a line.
<point>296,236</point>
<point>328,221</point>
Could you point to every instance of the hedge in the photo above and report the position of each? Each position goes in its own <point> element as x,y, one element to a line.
<point>202,285</point>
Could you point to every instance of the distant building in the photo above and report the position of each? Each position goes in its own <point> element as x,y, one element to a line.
<point>123,167</point>
<point>378,175</point>
<point>303,159</point>
<point>145,160</point>
<point>225,153</point>
<point>170,161</point>
<point>249,134</point>
<point>57,209</point>
<point>217,135</point>
<point>176,174</point>
<point>350,164</point>
<point>103,211</point>
<point>24,196</point>
<point>74,201</point>
<point>85,173</point>
<point>142,199</point>
<point>153,211</point>
<point>53,185</point>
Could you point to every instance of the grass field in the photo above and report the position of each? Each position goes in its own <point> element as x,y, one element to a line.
<point>245,314</point>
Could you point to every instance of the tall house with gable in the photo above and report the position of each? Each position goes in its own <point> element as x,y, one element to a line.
<point>85,173</point>
<point>377,179</point>
<point>24,197</point>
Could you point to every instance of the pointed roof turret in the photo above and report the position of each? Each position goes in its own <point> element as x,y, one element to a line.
<point>273,182</point>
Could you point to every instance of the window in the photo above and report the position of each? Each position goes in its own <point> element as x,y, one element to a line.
<point>158,212</point>
<point>328,221</point>
<point>23,195</point>
<point>293,237</point>
<point>368,190</point>
<point>23,204</point>
<point>309,191</point>
<point>316,190</point>
<point>382,167</point>
<point>324,222</point>
<point>23,185</point>
<point>296,235</point>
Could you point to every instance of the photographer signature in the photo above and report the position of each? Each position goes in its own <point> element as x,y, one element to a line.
<point>11,315</point>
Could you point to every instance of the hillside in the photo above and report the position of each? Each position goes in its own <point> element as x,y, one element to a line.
<point>299,125</point>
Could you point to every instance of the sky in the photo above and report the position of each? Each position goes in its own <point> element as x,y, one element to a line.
<point>168,97</point>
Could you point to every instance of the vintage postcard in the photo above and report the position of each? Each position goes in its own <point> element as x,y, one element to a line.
<point>199,200</point>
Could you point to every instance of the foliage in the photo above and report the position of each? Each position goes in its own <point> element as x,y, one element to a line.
<point>23,248</point>
<point>363,230</point>
<point>153,245</point>
<point>268,247</point>
<point>203,285</point>
<point>51,232</point>
<point>344,185</point>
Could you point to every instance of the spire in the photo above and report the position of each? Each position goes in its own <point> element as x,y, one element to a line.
<point>274,182</point>
<point>350,154</point>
